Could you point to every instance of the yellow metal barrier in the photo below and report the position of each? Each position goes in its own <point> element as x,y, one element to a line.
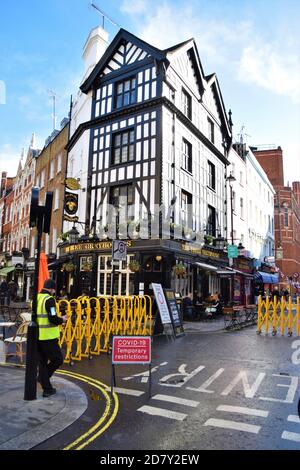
<point>92,321</point>
<point>279,315</point>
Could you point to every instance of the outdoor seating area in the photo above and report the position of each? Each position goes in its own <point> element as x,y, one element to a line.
<point>238,316</point>
<point>14,321</point>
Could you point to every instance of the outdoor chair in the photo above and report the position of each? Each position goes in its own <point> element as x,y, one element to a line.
<point>18,340</point>
<point>26,316</point>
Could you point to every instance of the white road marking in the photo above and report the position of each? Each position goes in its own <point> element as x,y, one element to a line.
<point>207,383</point>
<point>182,375</point>
<point>294,419</point>
<point>223,423</point>
<point>249,391</point>
<point>243,410</point>
<point>151,410</point>
<point>128,391</point>
<point>291,436</point>
<point>177,400</point>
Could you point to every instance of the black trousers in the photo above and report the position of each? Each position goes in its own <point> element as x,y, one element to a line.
<point>50,358</point>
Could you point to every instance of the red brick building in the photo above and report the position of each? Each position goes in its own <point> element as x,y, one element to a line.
<point>20,231</point>
<point>287,215</point>
<point>6,200</point>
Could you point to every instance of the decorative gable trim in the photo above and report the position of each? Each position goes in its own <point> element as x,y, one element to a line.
<point>123,51</point>
<point>215,87</point>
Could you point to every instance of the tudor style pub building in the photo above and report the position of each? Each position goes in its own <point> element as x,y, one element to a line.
<point>148,127</point>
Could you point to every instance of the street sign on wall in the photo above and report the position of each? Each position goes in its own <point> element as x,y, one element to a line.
<point>232,251</point>
<point>119,250</point>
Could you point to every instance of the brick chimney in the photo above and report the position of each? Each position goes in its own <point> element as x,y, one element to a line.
<point>296,190</point>
<point>272,162</point>
<point>3,182</point>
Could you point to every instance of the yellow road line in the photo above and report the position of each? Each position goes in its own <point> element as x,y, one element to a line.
<point>100,386</point>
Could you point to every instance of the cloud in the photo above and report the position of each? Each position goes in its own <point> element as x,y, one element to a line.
<point>134,7</point>
<point>165,25</point>
<point>266,68</point>
<point>9,159</point>
<point>236,44</point>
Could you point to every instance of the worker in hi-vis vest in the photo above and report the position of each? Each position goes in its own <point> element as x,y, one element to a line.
<point>50,355</point>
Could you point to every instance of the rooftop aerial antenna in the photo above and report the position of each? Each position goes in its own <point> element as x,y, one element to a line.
<point>53,95</point>
<point>243,134</point>
<point>104,15</point>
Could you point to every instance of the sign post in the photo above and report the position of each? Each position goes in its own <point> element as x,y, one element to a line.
<point>232,251</point>
<point>40,217</point>
<point>131,350</point>
<point>118,253</point>
<point>163,309</point>
<point>174,313</point>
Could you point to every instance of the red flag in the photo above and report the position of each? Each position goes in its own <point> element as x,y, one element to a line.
<point>44,273</point>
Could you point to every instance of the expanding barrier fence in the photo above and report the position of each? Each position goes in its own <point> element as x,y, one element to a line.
<point>279,315</point>
<point>92,321</point>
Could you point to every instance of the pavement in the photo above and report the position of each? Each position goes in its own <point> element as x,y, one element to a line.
<point>26,424</point>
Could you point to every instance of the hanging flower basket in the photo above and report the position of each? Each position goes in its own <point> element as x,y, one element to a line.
<point>87,267</point>
<point>179,270</point>
<point>134,266</point>
<point>69,267</point>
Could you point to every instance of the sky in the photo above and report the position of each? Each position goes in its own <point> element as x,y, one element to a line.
<point>252,45</point>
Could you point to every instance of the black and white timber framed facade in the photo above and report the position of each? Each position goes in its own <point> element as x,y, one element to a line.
<point>158,132</point>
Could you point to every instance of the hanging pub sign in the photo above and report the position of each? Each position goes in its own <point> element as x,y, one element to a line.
<point>68,218</point>
<point>72,183</point>
<point>71,203</point>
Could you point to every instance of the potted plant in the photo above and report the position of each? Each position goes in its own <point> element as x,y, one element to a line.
<point>134,266</point>
<point>179,269</point>
<point>86,266</point>
<point>208,239</point>
<point>69,267</point>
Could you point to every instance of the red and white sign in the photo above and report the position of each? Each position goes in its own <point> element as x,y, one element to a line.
<point>131,350</point>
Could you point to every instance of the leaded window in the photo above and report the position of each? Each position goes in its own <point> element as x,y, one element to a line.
<point>125,92</point>
<point>123,147</point>
<point>186,104</point>
<point>187,163</point>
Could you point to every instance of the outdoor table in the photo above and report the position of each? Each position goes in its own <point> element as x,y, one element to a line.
<point>6,324</point>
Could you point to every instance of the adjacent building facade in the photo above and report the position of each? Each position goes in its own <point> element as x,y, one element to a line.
<point>287,216</point>
<point>50,171</point>
<point>250,215</point>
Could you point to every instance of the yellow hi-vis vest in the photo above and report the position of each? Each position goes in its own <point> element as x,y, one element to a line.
<point>47,330</point>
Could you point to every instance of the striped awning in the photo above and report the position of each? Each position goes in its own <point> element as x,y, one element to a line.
<point>266,278</point>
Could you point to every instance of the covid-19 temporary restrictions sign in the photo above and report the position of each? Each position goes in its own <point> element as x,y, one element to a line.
<point>131,350</point>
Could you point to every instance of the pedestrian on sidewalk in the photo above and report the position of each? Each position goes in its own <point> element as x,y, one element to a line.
<point>4,293</point>
<point>50,355</point>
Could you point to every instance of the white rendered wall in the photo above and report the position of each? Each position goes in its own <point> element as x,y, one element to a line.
<point>256,229</point>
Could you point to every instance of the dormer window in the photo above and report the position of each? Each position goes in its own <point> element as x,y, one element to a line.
<point>211,130</point>
<point>186,104</point>
<point>125,92</point>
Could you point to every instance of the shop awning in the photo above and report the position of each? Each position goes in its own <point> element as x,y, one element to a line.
<point>244,274</point>
<point>266,278</point>
<point>56,264</point>
<point>6,271</point>
<point>226,272</point>
<point>207,267</point>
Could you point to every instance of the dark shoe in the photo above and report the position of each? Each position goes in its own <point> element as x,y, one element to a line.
<point>48,393</point>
